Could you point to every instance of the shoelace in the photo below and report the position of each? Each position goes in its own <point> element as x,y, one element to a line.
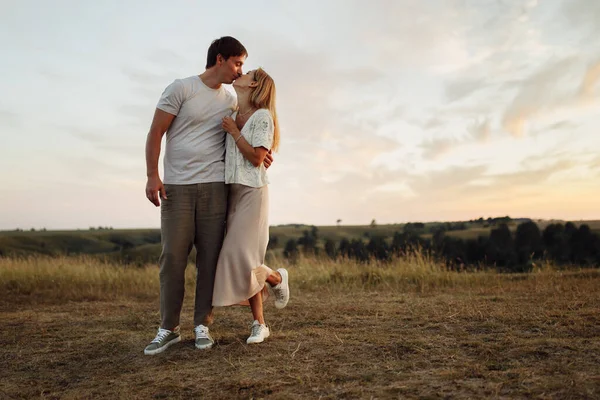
<point>201,331</point>
<point>256,329</point>
<point>278,292</point>
<point>161,335</point>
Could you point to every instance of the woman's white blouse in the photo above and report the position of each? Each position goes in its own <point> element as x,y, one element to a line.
<point>258,131</point>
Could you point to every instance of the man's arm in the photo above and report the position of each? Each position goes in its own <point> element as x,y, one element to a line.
<point>160,124</point>
<point>268,159</point>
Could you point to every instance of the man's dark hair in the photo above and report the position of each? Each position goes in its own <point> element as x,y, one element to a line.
<point>226,46</point>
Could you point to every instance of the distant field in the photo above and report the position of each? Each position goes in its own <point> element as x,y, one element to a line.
<point>144,244</point>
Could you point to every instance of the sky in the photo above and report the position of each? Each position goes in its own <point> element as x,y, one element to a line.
<point>398,111</point>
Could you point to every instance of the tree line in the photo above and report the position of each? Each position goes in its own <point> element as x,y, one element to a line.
<point>561,244</point>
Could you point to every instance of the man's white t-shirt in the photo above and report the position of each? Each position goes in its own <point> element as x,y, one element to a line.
<point>195,150</point>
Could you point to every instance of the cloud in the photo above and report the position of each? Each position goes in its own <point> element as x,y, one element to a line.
<point>167,57</point>
<point>94,170</point>
<point>434,149</point>
<point>480,130</point>
<point>146,87</point>
<point>532,177</point>
<point>396,196</point>
<point>590,80</point>
<point>9,119</point>
<point>462,88</point>
<point>143,77</point>
<point>139,116</point>
<point>388,196</point>
<point>583,14</point>
<point>504,40</point>
<point>561,125</point>
<point>52,74</point>
<point>127,146</point>
<point>449,181</point>
<point>549,90</point>
<point>469,192</point>
<point>87,135</point>
<point>339,153</point>
<point>433,122</point>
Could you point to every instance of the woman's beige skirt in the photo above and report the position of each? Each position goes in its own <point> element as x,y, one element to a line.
<point>241,272</point>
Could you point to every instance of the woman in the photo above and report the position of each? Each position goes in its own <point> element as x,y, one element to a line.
<point>241,276</point>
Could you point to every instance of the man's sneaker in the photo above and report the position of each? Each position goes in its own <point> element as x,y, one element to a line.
<point>164,338</point>
<point>203,338</point>
<point>259,333</point>
<point>282,290</point>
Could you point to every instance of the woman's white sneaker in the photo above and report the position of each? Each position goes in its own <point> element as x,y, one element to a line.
<point>259,333</point>
<point>282,290</point>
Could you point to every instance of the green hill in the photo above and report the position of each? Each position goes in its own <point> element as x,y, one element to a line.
<point>143,245</point>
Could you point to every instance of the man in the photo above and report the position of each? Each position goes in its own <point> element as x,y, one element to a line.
<point>194,195</point>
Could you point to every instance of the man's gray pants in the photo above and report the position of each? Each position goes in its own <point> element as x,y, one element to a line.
<point>192,215</point>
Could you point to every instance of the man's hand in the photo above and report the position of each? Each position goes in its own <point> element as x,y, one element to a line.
<point>268,160</point>
<point>155,190</point>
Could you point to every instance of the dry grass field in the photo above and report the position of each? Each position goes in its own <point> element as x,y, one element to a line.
<point>73,328</point>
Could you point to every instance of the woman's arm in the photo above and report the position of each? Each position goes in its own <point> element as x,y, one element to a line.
<point>255,155</point>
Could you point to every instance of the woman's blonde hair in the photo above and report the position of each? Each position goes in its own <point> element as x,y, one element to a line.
<point>263,96</point>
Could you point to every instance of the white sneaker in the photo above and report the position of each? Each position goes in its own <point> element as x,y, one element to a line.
<point>259,333</point>
<point>282,290</point>
<point>203,338</point>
